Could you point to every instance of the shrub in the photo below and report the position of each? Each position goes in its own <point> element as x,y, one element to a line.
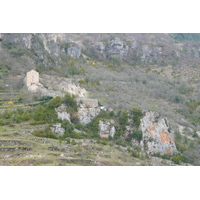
<point>2,123</point>
<point>177,159</point>
<point>120,142</point>
<point>67,126</point>
<point>93,126</point>
<point>73,142</point>
<point>94,135</point>
<point>177,136</point>
<point>135,154</point>
<point>10,103</point>
<point>137,135</point>
<point>44,115</point>
<point>73,70</point>
<point>104,143</point>
<point>181,147</point>
<point>45,133</point>
<point>80,127</point>
<point>25,116</point>
<point>123,118</point>
<point>74,119</point>
<point>55,102</point>
<point>191,144</point>
<point>164,156</point>
<point>68,140</point>
<point>136,115</point>
<point>195,135</point>
<point>70,101</point>
<point>6,115</point>
<point>76,135</point>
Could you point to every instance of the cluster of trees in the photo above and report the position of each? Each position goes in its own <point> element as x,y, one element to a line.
<point>42,113</point>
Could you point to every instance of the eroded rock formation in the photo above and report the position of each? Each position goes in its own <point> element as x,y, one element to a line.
<point>88,110</point>
<point>106,128</point>
<point>157,136</point>
<point>57,129</point>
<point>62,113</point>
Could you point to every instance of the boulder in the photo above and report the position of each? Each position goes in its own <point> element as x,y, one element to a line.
<point>158,137</point>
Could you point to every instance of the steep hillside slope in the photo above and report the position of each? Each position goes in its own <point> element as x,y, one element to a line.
<point>153,72</point>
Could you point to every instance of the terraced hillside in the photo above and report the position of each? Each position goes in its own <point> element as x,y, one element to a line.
<point>19,147</point>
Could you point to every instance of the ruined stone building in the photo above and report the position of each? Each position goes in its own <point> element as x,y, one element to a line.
<point>31,80</point>
<point>88,102</point>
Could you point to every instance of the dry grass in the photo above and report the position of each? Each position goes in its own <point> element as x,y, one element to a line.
<point>27,150</point>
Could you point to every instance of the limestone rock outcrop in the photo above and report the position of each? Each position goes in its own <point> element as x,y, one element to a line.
<point>157,136</point>
<point>68,86</point>
<point>57,129</point>
<point>106,128</point>
<point>117,47</point>
<point>62,113</point>
<point>74,51</point>
<point>88,110</point>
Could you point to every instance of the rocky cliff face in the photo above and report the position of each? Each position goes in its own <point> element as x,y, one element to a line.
<point>117,47</point>
<point>157,136</point>
<point>53,51</point>
<point>47,49</point>
<point>74,51</point>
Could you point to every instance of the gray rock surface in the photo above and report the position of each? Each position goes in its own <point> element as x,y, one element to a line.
<point>99,46</point>
<point>57,129</point>
<point>198,133</point>
<point>106,128</point>
<point>86,114</point>
<point>62,113</point>
<point>118,47</point>
<point>157,136</point>
<point>74,51</point>
<point>88,110</point>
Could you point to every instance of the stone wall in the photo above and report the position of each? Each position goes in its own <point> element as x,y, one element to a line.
<point>89,102</point>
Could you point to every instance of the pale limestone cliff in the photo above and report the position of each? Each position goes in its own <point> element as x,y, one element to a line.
<point>88,110</point>
<point>157,136</point>
<point>62,113</point>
